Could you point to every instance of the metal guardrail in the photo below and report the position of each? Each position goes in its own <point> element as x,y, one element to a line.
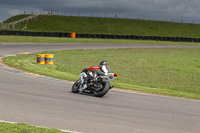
<point>12,25</point>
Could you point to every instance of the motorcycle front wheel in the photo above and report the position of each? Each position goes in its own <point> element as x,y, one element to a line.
<point>103,91</point>
<point>76,86</point>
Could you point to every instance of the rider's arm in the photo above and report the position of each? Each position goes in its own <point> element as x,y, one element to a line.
<point>105,70</point>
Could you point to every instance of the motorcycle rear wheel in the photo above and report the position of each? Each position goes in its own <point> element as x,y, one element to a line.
<point>103,91</point>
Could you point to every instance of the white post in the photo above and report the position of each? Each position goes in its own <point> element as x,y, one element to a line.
<point>181,19</point>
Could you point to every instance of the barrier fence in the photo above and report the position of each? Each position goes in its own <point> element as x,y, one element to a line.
<point>100,36</point>
<point>27,19</point>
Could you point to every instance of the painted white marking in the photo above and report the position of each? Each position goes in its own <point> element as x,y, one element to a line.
<point>8,122</point>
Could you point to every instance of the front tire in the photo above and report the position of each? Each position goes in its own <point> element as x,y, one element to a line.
<point>76,86</point>
<point>103,91</point>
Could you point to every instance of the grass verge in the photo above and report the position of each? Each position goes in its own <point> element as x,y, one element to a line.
<point>27,39</point>
<point>116,26</point>
<point>24,128</point>
<point>172,71</point>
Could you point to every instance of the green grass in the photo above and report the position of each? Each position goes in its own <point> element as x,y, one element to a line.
<point>95,25</point>
<point>15,18</point>
<point>24,128</point>
<point>173,71</point>
<point>27,39</point>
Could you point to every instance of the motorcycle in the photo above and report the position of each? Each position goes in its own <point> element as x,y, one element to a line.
<point>98,85</point>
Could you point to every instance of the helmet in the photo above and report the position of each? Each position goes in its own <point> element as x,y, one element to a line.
<point>103,63</point>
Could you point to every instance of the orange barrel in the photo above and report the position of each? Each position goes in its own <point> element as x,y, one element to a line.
<point>49,58</point>
<point>41,59</point>
<point>73,35</point>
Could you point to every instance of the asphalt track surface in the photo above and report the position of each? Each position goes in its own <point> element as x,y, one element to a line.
<point>49,102</point>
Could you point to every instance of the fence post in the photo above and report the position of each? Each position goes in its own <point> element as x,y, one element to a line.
<point>181,19</point>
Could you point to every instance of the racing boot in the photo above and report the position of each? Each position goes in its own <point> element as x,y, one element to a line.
<point>111,86</point>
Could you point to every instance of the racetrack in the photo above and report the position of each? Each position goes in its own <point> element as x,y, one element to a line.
<point>49,103</point>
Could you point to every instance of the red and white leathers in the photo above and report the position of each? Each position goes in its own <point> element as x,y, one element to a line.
<point>103,68</point>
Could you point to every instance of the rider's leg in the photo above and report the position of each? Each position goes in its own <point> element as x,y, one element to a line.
<point>85,84</point>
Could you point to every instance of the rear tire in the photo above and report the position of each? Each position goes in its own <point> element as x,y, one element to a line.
<point>101,93</point>
<point>76,86</point>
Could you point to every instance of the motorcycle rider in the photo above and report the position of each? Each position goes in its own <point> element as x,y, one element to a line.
<point>104,70</point>
<point>103,67</point>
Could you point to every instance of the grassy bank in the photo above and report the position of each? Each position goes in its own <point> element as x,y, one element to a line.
<point>24,128</point>
<point>27,39</point>
<point>174,72</point>
<point>15,18</point>
<point>95,25</point>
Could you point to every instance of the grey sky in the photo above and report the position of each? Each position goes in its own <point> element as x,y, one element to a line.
<point>156,9</point>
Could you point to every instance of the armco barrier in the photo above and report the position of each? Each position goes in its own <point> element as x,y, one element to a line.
<point>99,36</point>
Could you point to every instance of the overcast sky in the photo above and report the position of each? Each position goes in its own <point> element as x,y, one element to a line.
<point>168,10</point>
